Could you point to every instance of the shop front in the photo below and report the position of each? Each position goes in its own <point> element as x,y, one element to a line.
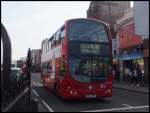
<point>128,60</point>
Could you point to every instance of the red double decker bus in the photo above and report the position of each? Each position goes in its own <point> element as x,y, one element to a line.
<point>76,60</point>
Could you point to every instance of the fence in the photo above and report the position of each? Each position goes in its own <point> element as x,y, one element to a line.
<point>15,92</point>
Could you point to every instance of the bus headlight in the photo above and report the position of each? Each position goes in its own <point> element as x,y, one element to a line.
<point>90,87</point>
<point>69,87</point>
<point>102,86</point>
<point>75,93</point>
<point>109,91</point>
<point>71,92</point>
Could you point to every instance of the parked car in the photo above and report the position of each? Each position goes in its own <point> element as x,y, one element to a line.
<point>14,65</point>
<point>16,74</point>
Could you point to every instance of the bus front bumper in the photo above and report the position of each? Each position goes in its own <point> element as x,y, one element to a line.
<point>85,94</point>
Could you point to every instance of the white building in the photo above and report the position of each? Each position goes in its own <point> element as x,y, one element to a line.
<point>141,16</point>
<point>35,54</point>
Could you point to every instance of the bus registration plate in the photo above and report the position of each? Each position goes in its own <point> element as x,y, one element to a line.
<point>90,96</point>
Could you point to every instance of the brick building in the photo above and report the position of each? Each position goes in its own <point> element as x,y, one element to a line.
<point>107,11</point>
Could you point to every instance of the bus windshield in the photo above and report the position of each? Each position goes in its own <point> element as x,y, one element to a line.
<point>89,50</point>
<point>89,70</point>
<point>87,30</point>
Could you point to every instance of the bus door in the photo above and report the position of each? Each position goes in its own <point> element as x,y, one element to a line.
<point>62,69</point>
<point>48,73</point>
<point>53,67</point>
<point>52,76</point>
<point>45,73</point>
<point>57,68</point>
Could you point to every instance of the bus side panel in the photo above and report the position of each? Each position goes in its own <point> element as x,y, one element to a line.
<point>57,69</point>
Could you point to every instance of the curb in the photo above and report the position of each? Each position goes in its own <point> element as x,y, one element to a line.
<point>146,92</point>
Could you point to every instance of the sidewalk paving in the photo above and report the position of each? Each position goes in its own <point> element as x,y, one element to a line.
<point>127,86</point>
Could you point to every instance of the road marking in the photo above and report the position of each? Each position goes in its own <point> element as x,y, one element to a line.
<point>117,109</point>
<point>36,93</point>
<point>16,100</point>
<point>46,105</point>
<point>36,84</point>
<point>126,105</point>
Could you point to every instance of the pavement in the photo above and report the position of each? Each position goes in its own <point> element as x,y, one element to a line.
<point>127,86</point>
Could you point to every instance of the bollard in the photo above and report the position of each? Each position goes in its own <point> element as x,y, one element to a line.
<point>34,105</point>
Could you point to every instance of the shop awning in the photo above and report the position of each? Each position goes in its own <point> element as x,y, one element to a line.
<point>132,56</point>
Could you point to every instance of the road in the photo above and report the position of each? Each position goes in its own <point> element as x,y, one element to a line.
<point>121,101</point>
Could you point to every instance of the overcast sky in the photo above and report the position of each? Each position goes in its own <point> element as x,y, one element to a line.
<point>28,23</point>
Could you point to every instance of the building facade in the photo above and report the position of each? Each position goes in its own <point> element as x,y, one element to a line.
<point>107,11</point>
<point>128,48</point>
<point>141,15</point>
<point>36,59</point>
<point>130,44</point>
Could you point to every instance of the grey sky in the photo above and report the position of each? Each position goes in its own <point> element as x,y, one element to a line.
<point>28,23</point>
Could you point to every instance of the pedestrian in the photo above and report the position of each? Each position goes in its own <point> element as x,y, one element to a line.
<point>130,75</point>
<point>139,74</point>
<point>114,73</point>
<point>142,77</point>
<point>24,68</point>
<point>134,77</point>
<point>118,74</point>
<point>127,74</point>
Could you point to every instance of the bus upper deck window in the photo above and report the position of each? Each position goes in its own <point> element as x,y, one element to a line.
<point>62,34</point>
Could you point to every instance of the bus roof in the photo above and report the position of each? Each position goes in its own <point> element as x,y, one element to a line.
<point>46,40</point>
<point>87,19</point>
